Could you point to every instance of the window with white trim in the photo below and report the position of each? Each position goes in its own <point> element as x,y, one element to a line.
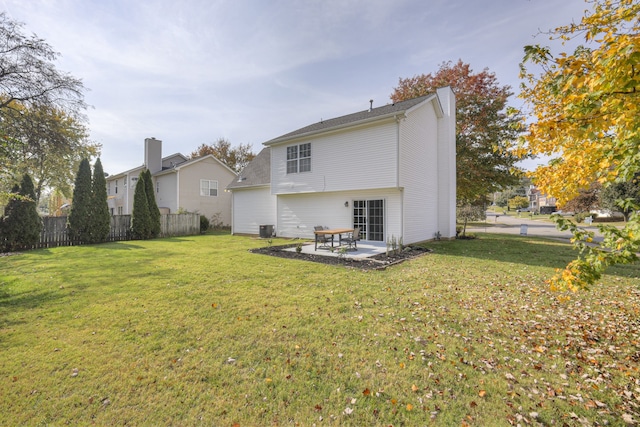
<point>208,187</point>
<point>299,158</point>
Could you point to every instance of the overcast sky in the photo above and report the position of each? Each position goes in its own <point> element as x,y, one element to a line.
<point>191,71</point>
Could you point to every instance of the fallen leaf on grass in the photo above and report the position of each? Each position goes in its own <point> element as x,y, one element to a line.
<point>482,393</point>
<point>366,392</point>
<point>409,407</point>
<point>414,388</point>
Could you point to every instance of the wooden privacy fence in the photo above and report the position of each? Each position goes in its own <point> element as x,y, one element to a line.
<point>54,228</point>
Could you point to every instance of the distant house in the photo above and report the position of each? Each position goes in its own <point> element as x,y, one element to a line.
<point>539,202</point>
<point>389,170</point>
<point>193,185</point>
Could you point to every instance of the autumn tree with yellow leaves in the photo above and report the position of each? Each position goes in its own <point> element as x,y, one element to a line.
<point>585,107</point>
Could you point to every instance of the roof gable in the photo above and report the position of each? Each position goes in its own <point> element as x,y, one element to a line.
<point>256,173</point>
<point>193,161</point>
<point>166,159</point>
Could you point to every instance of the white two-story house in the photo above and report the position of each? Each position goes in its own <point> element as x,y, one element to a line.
<point>193,185</point>
<point>388,170</point>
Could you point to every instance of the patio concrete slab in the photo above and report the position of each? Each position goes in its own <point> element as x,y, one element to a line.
<point>365,249</point>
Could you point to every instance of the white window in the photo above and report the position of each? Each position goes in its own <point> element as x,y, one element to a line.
<point>109,190</point>
<point>208,188</point>
<point>299,158</point>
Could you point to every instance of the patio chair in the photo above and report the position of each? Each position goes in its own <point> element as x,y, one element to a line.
<point>350,241</point>
<point>323,239</point>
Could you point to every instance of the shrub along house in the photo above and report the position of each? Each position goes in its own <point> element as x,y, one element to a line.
<point>389,170</point>
<point>193,185</point>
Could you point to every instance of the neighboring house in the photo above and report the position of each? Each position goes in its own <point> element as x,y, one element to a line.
<point>388,170</point>
<point>540,203</point>
<point>195,185</point>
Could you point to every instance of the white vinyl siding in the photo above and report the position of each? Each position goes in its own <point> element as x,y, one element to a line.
<point>298,214</point>
<point>361,158</point>
<point>251,209</point>
<point>419,173</point>
<point>208,187</point>
<point>166,197</point>
<point>447,164</point>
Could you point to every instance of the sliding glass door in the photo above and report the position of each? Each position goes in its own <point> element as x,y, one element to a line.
<point>369,216</point>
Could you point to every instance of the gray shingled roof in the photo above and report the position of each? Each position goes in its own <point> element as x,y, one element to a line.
<point>257,172</point>
<point>349,119</point>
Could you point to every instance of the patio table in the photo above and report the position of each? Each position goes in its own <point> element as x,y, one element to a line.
<point>332,233</point>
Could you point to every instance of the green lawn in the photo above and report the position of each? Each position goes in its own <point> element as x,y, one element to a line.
<point>199,331</point>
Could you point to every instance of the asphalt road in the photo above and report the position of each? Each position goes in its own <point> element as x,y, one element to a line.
<point>532,227</point>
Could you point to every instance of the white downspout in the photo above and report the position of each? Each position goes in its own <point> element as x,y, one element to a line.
<point>233,223</point>
<point>398,119</point>
<point>397,152</point>
<point>126,190</point>
<point>178,191</point>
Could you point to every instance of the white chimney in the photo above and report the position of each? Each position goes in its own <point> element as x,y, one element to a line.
<point>153,154</point>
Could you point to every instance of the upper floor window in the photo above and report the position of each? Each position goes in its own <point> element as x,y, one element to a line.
<point>299,158</point>
<point>208,187</point>
<point>116,186</point>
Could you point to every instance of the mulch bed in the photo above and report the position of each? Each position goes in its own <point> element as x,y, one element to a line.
<point>376,262</point>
